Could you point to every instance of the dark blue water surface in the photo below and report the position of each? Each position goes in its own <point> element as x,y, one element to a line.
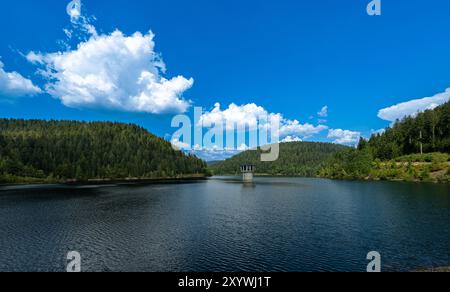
<point>277,224</point>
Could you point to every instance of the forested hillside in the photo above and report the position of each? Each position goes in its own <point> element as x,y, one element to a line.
<point>33,150</point>
<point>430,128</point>
<point>296,159</point>
<point>414,149</point>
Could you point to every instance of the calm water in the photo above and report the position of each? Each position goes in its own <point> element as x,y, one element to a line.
<point>278,224</point>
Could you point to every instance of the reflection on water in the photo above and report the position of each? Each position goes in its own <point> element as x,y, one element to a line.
<point>261,181</point>
<point>274,224</point>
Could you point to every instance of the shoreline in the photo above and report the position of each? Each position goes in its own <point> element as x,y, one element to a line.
<point>349,179</point>
<point>434,270</point>
<point>395,180</point>
<point>178,179</point>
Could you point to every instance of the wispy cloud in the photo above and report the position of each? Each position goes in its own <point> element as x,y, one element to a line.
<point>74,10</point>
<point>323,112</point>
<point>81,24</point>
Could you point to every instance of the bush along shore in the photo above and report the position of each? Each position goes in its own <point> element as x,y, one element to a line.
<point>360,165</point>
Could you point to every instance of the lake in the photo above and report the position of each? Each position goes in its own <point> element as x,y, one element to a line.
<point>275,224</point>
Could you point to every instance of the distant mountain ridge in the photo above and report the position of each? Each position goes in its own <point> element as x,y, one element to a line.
<point>296,159</point>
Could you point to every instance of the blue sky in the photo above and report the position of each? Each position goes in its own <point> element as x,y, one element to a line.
<point>287,56</point>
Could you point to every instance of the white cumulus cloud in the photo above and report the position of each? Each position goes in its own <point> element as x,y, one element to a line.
<point>178,145</point>
<point>12,84</point>
<point>249,115</point>
<point>290,139</point>
<point>345,137</point>
<point>412,107</point>
<point>252,115</point>
<point>113,71</point>
<point>296,128</point>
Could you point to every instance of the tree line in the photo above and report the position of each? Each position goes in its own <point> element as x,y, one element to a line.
<point>63,150</point>
<point>427,132</point>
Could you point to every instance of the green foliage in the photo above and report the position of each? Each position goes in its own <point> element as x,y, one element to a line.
<point>424,174</point>
<point>430,128</point>
<point>296,159</point>
<point>357,164</point>
<point>349,164</point>
<point>428,157</point>
<point>399,147</point>
<point>33,150</point>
